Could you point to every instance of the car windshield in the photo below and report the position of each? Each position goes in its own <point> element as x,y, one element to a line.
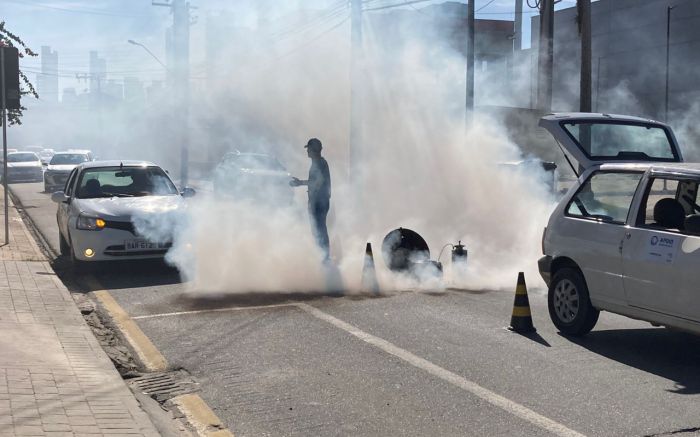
<point>610,141</point>
<point>124,182</point>
<point>22,157</point>
<point>68,159</point>
<point>258,162</point>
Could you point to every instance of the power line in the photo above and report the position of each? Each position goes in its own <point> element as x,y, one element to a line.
<point>395,5</point>
<point>71,10</point>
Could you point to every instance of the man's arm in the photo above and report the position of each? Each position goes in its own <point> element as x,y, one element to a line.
<point>296,182</point>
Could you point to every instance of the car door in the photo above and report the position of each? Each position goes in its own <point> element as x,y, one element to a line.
<point>594,225</point>
<point>64,207</point>
<point>661,255</point>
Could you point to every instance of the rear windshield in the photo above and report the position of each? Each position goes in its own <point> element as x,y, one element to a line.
<point>610,141</point>
<point>68,158</point>
<point>124,182</point>
<point>22,157</point>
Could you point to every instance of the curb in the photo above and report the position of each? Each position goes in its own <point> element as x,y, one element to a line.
<point>148,354</point>
<point>198,414</point>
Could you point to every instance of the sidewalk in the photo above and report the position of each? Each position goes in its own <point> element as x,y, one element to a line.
<point>55,379</point>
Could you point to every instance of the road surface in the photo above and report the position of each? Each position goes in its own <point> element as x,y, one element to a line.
<point>405,363</point>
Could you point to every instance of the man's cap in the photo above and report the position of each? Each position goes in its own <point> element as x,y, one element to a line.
<point>314,144</point>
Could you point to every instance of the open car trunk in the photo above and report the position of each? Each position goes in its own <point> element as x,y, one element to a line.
<point>589,139</point>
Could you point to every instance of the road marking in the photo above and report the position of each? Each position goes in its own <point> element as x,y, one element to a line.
<point>147,352</point>
<point>200,416</point>
<point>444,374</point>
<point>215,310</point>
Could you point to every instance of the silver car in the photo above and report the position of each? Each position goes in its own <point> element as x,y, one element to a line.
<point>60,166</point>
<point>102,201</point>
<point>24,167</point>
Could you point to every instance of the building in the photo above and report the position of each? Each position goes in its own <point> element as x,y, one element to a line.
<point>47,80</point>
<point>629,57</point>
<point>133,90</point>
<point>98,72</point>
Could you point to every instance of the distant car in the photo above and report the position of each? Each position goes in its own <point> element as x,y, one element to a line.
<point>625,237</point>
<point>12,150</point>
<point>24,167</point>
<point>101,198</point>
<point>35,149</point>
<point>253,176</point>
<point>60,166</point>
<point>45,155</point>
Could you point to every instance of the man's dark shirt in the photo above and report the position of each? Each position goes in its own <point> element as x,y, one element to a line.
<point>319,180</point>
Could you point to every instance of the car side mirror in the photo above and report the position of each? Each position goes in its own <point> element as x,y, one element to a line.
<point>45,164</point>
<point>188,192</point>
<point>59,197</point>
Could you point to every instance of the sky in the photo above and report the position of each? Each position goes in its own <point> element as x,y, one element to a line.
<point>75,27</point>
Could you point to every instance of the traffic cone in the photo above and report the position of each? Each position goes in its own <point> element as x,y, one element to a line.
<point>521,321</point>
<point>369,274</point>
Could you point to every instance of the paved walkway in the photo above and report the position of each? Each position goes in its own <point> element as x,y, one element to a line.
<point>55,379</point>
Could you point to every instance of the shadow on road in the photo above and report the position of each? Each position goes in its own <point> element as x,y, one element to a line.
<point>663,352</point>
<point>116,275</point>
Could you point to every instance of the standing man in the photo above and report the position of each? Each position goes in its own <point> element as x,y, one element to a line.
<point>319,190</point>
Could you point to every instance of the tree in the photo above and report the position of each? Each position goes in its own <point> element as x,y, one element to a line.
<point>9,39</point>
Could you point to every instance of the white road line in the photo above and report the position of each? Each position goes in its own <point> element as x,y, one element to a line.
<point>215,310</point>
<point>454,379</point>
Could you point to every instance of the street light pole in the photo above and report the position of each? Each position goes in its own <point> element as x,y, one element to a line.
<point>668,55</point>
<point>131,41</point>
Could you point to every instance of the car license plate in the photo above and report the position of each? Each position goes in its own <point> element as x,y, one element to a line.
<point>143,245</point>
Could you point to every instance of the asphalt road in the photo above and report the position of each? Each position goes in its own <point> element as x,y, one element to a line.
<point>407,363</point>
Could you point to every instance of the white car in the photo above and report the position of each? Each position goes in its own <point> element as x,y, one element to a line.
<point>626,237</point>
<point>96,213</point>
<point>60,166</point>
<point>24,167</point>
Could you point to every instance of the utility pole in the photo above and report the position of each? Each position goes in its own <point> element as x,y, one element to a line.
<point>357,61</point>
<point>470,57</point>
<point>584,22</point>
<point>180,71</point>
<point>668,56</point>
<point>518,30</point>
<point>545,55</point>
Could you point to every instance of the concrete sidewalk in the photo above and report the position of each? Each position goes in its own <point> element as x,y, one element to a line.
<point>55,379</point>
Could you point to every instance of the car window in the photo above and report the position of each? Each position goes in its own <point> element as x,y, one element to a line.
<point>671,205</point>
<point>68,159</point>
<point>124,182</point>
<point>22,157</point>
<point>606,141</point>
<point>605,196</point>
<point>68,189</point>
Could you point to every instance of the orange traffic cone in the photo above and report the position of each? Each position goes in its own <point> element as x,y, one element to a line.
<point>369,274</point>
<point>521,321</point>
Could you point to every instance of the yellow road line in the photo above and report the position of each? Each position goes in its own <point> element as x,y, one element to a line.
<point>205,422</point>
<point>146,351</point>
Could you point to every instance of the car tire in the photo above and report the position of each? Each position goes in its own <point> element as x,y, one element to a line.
<point>63,245</point>
<point>569,303</point>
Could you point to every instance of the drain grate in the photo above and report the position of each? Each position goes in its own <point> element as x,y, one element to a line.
<point>164,386</point>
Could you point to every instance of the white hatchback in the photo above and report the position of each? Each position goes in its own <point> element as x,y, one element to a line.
<point>626,237</point>
<point>96,212</point>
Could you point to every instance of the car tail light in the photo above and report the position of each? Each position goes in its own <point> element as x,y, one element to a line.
<point>544,234</point>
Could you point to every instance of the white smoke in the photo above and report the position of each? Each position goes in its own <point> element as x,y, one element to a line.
<point>419,167</point>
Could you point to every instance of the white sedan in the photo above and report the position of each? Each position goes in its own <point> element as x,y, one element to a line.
<point>103,200</point>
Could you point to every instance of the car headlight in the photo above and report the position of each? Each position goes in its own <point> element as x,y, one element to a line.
<point>88,223</point>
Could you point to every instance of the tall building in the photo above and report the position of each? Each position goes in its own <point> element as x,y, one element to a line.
<point>47,80</point>
<point>98,72</point>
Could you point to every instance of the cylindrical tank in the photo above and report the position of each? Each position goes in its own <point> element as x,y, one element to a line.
<point>402,247</point>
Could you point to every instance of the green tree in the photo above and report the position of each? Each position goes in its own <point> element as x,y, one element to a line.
<point>9,39</point>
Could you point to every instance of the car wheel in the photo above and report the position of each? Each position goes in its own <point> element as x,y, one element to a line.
<point>63,245</point>
<point>569,303</point>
